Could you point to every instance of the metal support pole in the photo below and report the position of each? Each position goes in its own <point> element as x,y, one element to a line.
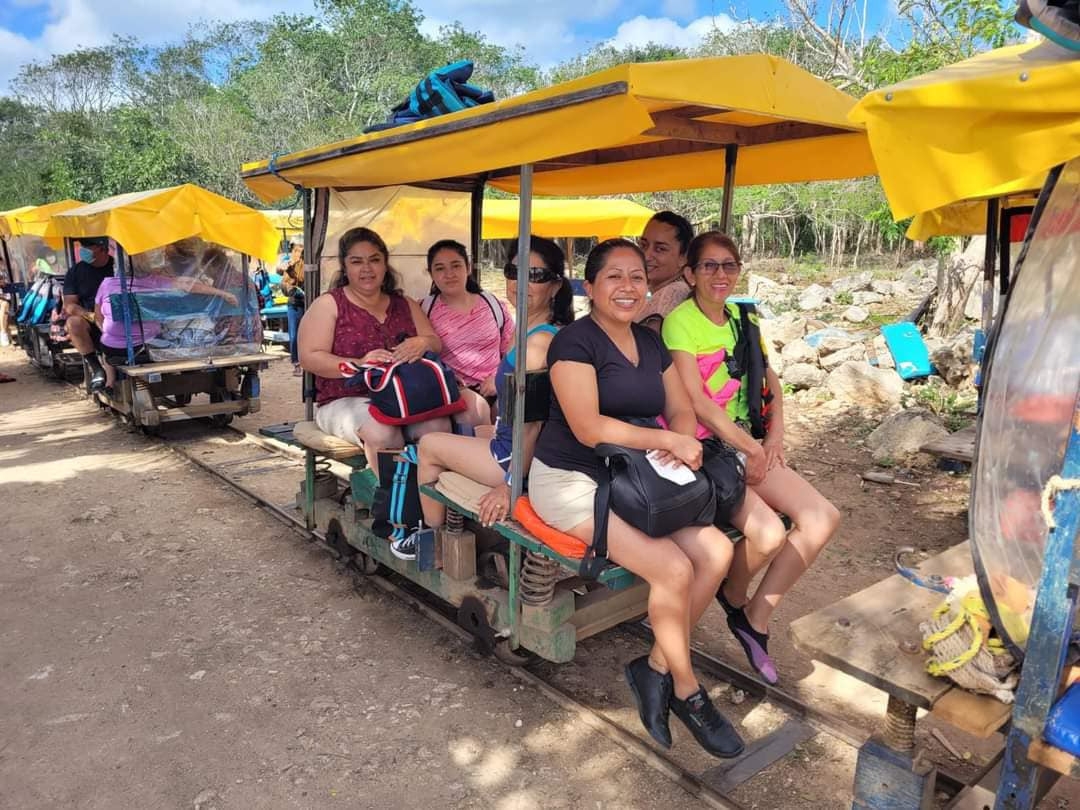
<point>476,226</point>
<point>993,215</point>
<point>125,304</point>
<point>311,289</point>
<point>731,157</point>
<point>517,463</point>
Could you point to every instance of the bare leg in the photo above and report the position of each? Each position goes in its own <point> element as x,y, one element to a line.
<point>670,574</point>
<point>710,553</point>
<point>4,307</point>
<point>763,537</point>
<point>815,520</point>
<point>375,437</point>
<point>478,411</point>
<point>110,373</point>
<point>78,329</point>
<point>467,455</point>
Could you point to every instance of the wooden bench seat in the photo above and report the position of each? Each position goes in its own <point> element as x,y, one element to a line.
<point>309,435</point>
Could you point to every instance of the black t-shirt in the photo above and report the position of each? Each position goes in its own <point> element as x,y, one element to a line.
<point>84,279</point>
<point>626,391</point>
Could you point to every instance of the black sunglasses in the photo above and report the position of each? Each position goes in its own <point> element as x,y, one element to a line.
<point>537,275</point>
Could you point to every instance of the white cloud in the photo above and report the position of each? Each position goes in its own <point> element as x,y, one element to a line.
<point>642,30</point>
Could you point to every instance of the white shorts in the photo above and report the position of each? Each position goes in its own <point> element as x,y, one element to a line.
<point>344,418</point>
<point>562,499</point>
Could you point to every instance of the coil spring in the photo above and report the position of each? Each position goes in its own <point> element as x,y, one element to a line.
<point>538,577</point>
<point>322,468</point>
<point>455,522</point>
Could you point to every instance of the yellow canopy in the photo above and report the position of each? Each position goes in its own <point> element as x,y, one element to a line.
<point>555,218</point>
<point>968,217</point>
<point>144,220</point>
<point>35,220</point>
<point>970,129</point>
<point>637,127</point>
<point>290,220</point>
<point>7,218</point>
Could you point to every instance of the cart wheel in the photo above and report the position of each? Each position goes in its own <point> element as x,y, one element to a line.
<point>514,658</point>
<point>366,564</point>
<point>152,431</point>
<point>335,538</point>
<point>182,399</point>
<point>221,419</point>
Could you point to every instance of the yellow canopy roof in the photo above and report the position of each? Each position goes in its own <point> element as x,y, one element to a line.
<point>8,217</point>
<point>34,220</point>
<point>968,217</point>
<point>290,220</point>
<point>555,218</point>
<point>636,127</point>
<point>970,129</point>
<point>144,220</point>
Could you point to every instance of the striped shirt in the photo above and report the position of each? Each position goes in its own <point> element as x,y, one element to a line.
<point>471,341</point>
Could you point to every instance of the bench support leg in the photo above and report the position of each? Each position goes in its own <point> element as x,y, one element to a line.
<point>889,775</point>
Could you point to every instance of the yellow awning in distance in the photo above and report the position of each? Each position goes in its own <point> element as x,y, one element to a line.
<point>973,129</point>
<point>143,220</point>
<point>36,220</point>
<point>555,218</point>
<point>632,128</point>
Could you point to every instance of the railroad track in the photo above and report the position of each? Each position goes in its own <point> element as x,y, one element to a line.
<point>710,785</point>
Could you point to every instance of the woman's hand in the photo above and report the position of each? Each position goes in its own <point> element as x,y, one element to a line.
<point>410,349</point>
<point>757,465</point>
<point>487,387</point>
<point>375,357</point>
<point>495,505</point>
<point>229,298</point>
<point>685,449</point>
<point>773,445</point>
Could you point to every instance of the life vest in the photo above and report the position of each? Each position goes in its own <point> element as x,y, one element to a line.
<point>752,363</point>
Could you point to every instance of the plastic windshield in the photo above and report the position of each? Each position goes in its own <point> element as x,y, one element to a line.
<point>1030,402</point>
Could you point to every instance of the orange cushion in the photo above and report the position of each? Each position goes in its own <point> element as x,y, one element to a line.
<point>565,544</point>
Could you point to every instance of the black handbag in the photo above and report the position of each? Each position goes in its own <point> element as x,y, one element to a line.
<point>721,463</point>
<point>634,491</point>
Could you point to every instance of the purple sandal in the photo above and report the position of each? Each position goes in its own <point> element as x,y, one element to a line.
<point>754,644</point>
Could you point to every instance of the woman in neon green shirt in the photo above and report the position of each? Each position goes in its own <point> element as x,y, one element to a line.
<point>703,335</point>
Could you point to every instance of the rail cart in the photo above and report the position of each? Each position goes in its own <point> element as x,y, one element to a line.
<point>1025,503</point>
<point>196,344</point>
<point>680,124</point>
<point>33,254</point>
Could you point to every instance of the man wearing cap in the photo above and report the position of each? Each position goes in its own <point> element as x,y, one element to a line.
<point>291,268</point>
<point>80,288</point>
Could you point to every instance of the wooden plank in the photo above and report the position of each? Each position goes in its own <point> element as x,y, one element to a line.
<point>874,636</point>
<point>202,364</point>
<point>980,715</point>
<point>959,446</point>
<point>758,756</point>
<point>600,610</point>
<point>673,125</point>
<point>1054,758</point>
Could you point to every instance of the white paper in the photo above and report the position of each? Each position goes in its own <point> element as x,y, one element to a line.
<point>675,473</point>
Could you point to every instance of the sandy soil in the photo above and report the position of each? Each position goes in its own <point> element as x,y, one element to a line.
<point>165,644</point>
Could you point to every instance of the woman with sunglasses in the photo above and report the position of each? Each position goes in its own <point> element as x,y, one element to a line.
<point>475,327</point>
<point>611,378</point>
<point>487,460</point>
<point>702,335</point>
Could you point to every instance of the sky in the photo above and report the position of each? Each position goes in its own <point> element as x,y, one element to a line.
<point>549,32</point>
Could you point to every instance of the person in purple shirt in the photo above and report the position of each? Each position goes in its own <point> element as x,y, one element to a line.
<point>113,341</point>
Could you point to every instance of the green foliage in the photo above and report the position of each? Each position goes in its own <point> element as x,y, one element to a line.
<point>844,298</point>
<point>955,409</point>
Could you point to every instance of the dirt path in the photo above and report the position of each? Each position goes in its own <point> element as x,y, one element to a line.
<point>166,645</point>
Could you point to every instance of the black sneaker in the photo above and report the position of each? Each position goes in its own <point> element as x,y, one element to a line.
<point>711,729</point>
<point>404,548</point>
<point>652,694</point>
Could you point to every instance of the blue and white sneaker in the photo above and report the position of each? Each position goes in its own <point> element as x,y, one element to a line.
<point>404,548</point>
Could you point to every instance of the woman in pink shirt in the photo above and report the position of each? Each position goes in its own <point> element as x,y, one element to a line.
<point>475,327</point>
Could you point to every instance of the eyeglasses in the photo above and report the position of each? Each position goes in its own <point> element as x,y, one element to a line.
<point>537,275</point>
<point>710,268</point>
